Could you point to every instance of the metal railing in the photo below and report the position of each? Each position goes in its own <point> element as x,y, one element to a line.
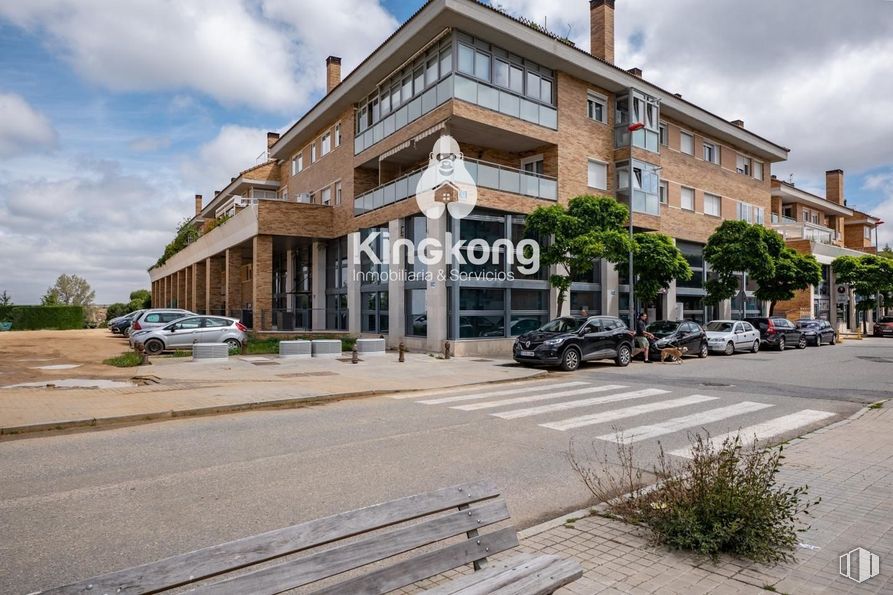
<point>806,231</point>
<point>485,175</point>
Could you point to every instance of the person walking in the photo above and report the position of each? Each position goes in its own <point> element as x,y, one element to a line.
<point>643,336</point>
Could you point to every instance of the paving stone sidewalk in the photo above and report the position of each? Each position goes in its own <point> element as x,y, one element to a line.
<point>850,465</point>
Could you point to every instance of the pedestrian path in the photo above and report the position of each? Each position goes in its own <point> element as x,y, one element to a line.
<point>623,413</point>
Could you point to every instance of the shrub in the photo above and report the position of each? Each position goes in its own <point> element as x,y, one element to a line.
<point>125,360</point>
<point>726,499</point>
<point>47,317</point>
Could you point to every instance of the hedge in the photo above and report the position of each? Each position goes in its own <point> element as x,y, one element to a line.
<point>47,317</point>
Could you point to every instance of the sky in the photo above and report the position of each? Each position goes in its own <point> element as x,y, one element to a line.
<point>114,114</point>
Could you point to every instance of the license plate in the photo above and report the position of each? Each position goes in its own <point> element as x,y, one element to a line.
<point>527,354</point>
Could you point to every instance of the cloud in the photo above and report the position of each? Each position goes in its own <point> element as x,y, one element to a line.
<point>883,183</point>
<point>234,149</point>
<point>150,144</point>
<point>22,128</point>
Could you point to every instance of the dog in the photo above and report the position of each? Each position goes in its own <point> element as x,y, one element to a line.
<point>674,354</point>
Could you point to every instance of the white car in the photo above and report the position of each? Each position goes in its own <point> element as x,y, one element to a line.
<point>729,336</point>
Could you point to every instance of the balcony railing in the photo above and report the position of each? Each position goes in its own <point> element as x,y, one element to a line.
<point>484,174</point>
<point>794,230</point>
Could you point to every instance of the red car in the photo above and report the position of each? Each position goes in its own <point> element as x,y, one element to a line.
<point>884,327</point>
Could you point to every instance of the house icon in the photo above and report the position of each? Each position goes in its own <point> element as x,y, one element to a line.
<point>859,565</point>
<point>447,193</point>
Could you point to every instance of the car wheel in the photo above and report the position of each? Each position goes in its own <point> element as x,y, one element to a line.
<point>818,340</point>
<point>704,352</point>
<point>833,339</point>
<point>154,346</point>
<point>570,359</point>
<point>756,346</point>
<point>781,344</point>
<point>624,356</point>
<point>730,348</point>
<point>234,344</point>
<point>801,344</point>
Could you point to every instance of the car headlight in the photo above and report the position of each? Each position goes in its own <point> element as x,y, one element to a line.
<point>554,342</point>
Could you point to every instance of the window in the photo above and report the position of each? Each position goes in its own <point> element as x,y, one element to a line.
<point>806,215</point>
<point>596,107</point>
<point>686,143</point>
<point>338,193</point>
<point>516,79</point>
<point>711,152</point>
<point>283,194</point>
<point>664,191</point>
<point>313,153</point>
<point>501,73</point>
<point>297,164</point>
<point>867,232</point>
<point>757,170</point>
<point>664,135</point>
<point>326,143</point>
<point>598,175</point>
<point>534,165</point>
<point>743,165</point>
<point>326,195</point>
<point>466,59</point>
<point>712,205</point>
<point>688,199</point>
<point>338,134</point>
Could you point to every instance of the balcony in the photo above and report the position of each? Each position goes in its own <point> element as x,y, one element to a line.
<point>484,174</point>
<point>791,229</point>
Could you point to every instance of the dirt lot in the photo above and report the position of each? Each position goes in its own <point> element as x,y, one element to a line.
<point>23,353</point>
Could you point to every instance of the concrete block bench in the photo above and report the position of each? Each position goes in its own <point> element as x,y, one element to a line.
<point>210,351</point>
<point>295,349</point>
<point>326,348</point>
<point>369,347</point>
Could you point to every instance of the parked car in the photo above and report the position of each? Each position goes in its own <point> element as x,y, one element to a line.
<point>729,336</point>
<point>678,333</point>
<point>817,332</point>
<point>155,318</point>
<point>779,332</point>
<point>884,327</point>
<point>183,333</point>
<point>120,324</point>
<point>571,340</point>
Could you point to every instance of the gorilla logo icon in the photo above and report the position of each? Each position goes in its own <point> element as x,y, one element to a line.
<point>446,184</point>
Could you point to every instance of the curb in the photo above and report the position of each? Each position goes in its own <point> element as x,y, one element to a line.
<point>138,418</point>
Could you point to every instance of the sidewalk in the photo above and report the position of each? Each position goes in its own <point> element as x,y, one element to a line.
<point>850,465</point>
<point>187,388</point>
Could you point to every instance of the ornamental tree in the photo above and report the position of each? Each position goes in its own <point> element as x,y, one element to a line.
<point>793,272</point>
<point>656,263</point>
<point>69,290</point>
<point>588,229</point>
<point>735,247</point>
<point>868,275</point>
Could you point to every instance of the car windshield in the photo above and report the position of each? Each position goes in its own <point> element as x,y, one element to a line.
<point>562,325</point>
<point>886,319</point>
<point>807,323</point>
<point>662,328</point>
<point>719,326</point>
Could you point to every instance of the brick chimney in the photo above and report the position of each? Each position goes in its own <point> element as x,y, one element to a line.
<point>834,186</point>
<point>198,204</point>
<point>272,137</point>
<point>333,73</point>
<point>637,72</point>
<point>601,29</point>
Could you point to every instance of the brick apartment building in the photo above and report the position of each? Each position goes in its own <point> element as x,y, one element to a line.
<point>826,228</point>
<point>537,120</point>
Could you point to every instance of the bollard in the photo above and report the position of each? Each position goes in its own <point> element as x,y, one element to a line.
<point>144,357</point>
<point>401,350</point>
<point>354,356</point>
<point>446,350</point>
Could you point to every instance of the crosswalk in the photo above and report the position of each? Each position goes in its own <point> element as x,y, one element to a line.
<point>632,414</point>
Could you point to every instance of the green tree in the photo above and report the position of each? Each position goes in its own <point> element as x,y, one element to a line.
<point>141,298</point>
<point>588,229</point>
<point>186,234</point>
<point>69,290</point>
<point>793,272</point>
<point>736,247</point>
<point>868,275</point>
<point>5,306</point>
<point>115,310</point>
<point>887,252</point>
<point>656,263</point>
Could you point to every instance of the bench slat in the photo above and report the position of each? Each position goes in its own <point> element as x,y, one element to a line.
<point>425,566</point>
<point>211,561</point>
<point>328,563</point>
<point>527,576</point>
<point>497,570</point>
<point>547,581</point>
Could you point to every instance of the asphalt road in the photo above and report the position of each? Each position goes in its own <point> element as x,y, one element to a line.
<point>72,506</point>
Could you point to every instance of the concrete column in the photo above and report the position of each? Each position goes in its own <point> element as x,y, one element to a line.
<point>832,294</point>
<point>199,286</point>
<point>854,324</point>
<point>869,321</point>
<point>724,309</point>
<point>318,285</point>
<point>354,317</point>
<point>396,303</point>
<point>610,282</point>
<point>262,282</point>
<point>233,299</point>
<point>436,292</point>
<point>668,312</point>
<point>289,280</point>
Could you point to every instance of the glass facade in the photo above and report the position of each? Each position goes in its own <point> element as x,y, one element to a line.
<point>641,111</point>
<point>336,284</point>
<point>691,293</point>
<point>645,181</point>
<point>586,291</point>
<point>374,281</point>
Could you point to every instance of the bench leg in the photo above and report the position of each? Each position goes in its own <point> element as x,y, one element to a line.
<point>478,564</point>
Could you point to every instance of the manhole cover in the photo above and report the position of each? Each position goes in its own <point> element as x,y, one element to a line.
<point>716,384</point>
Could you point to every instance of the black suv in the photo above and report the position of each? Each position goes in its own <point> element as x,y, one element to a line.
<point>571,340</point>
<point>678,333</point>
<point>778,332</point>
<point>818,332</point>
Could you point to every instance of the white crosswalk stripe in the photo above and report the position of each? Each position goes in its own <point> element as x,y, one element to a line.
<point>418,394</point>
<point>543,397</point>
<point>498,393</point>
<point>765,430</point>
<point>669,426</point>
<point>615,414</point>
<point>639,394</point>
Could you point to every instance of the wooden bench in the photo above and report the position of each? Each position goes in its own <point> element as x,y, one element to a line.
<point>356,540</point>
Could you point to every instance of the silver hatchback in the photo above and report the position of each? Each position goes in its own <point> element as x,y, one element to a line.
<point>185,332</point>
<point>155,318</point>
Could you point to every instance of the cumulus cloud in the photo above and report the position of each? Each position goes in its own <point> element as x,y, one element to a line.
<point>22,128</point>
<point>883,183</point>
